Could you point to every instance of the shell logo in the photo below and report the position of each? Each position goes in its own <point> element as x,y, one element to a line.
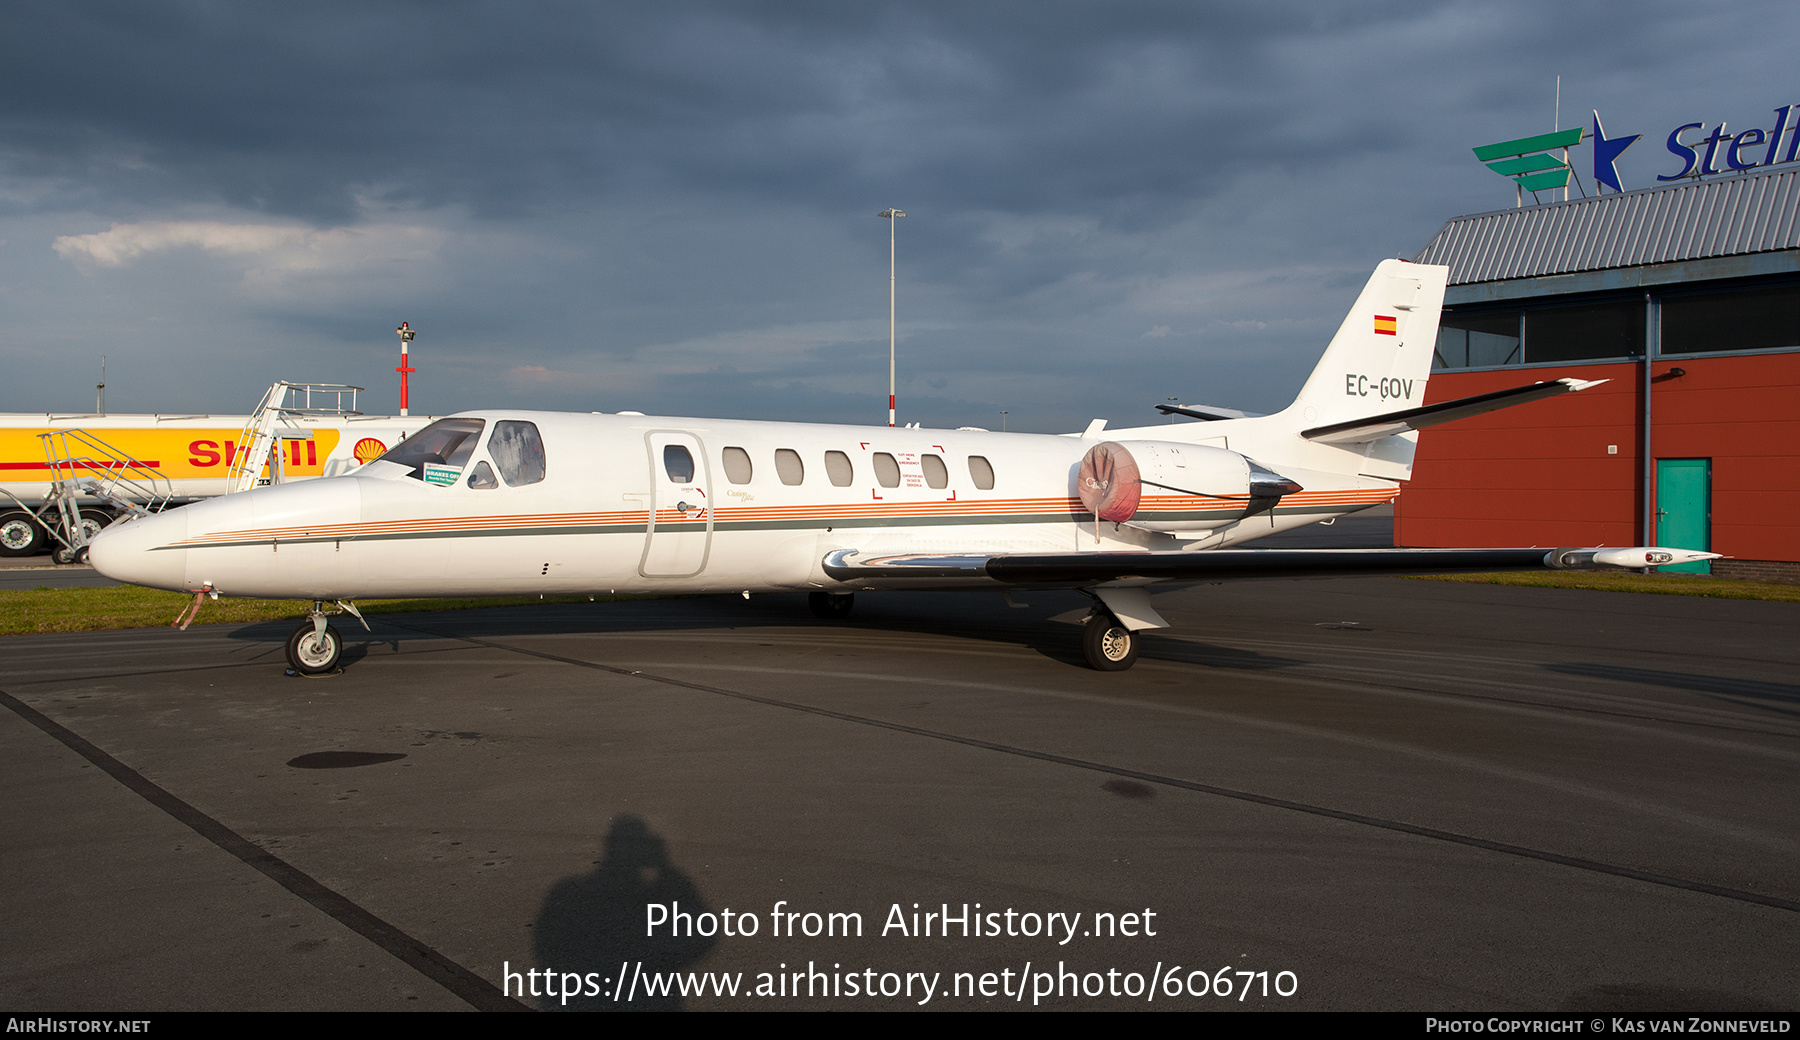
<point>368,450</point>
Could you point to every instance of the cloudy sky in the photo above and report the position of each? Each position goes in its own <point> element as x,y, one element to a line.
<point>672,207</point>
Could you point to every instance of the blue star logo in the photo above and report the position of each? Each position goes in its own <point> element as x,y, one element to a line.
<point>1605,152</point>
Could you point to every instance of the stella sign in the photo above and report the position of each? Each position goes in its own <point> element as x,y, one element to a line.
<point>1542,162</point>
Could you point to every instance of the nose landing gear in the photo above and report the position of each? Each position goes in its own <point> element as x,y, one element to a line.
<point>316,648</point>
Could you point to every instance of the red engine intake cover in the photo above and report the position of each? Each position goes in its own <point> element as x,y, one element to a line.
<point>1109,482</point>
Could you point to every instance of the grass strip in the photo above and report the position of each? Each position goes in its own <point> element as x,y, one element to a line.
<point>1626,581</point>
<point>128,606</point>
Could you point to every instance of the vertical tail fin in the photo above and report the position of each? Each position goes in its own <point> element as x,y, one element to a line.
<point>1377,363</point>
<point>1381,356</point>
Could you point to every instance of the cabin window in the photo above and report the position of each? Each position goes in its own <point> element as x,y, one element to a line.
<point>438,453</point>
<point>737,465</point>
<point>518,452</point>
<point>678,464</point>
<point>981,473</point>
<point>837,467</point>
<point>481,477</point>
<point>887,471</point>
<point>788,466</point>
<point>935,474</point>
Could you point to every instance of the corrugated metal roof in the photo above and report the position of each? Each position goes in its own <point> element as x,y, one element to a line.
<point>1728,216</point>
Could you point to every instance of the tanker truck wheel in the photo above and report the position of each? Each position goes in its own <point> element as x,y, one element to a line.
<point>21,534</point>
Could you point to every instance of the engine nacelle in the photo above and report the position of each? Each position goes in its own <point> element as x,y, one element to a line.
<point>1169,487</point>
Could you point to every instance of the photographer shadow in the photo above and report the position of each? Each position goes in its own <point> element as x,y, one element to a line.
<point>596,923</point>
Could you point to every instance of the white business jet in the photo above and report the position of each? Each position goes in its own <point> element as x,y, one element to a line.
<point>501,503</point>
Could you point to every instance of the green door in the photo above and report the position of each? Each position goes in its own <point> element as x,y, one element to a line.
<point>1684,509</point>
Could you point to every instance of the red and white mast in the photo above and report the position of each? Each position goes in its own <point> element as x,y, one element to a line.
<point>405,333</point>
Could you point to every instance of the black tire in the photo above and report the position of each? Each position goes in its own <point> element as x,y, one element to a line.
<point>310,656</point>
<point>1108,645</point>
<point>93,522</point>
<point>21,534</point>
<point>831,606</point>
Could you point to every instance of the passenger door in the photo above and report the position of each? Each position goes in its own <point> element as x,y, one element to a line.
<point>678,534</point>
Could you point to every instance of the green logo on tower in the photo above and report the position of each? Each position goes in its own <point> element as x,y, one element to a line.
<point>1525,162</point>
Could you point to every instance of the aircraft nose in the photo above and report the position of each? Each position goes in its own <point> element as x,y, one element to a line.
<point>135,551</point>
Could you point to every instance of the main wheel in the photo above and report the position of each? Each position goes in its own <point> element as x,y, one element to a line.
<point>1108,645</point>
<point>21,534</point>
<point>314,654</point>
<point>831,606</point>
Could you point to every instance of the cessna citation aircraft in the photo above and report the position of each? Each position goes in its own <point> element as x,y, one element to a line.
<point>502,503</point>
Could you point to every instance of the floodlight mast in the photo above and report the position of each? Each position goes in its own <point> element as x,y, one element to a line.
<point>893,216</point>
<point>405,332</point>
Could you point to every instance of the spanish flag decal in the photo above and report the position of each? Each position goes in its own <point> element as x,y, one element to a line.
<point>1385,325</point>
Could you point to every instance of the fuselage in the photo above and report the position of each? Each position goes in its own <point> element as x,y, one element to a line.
<point>632,503</point>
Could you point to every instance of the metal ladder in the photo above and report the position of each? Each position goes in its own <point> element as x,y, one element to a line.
<point>82,465</point>
<point>261,437</point>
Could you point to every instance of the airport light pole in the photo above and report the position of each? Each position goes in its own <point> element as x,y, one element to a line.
<point>893,217</point>
<point>405,332</point>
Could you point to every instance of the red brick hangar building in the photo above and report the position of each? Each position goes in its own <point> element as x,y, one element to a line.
<point>1686,299</point>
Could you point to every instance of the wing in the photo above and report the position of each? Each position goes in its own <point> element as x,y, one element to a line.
<point>1091,569</point>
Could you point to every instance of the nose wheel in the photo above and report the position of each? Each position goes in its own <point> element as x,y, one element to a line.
<point>1108,645</point>
<point>314,649</point>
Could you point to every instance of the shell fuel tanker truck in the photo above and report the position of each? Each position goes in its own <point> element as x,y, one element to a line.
<point>65,477</point>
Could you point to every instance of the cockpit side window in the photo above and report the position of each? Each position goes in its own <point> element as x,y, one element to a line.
<point>518,452</point>
<point>481,478</point>
<point>438,453</point>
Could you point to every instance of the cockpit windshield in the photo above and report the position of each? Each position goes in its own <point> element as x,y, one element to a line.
<point>438,453</point>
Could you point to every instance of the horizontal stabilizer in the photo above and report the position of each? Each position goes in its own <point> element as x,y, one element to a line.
<point>1375,427</point>
<point>1210,413</point>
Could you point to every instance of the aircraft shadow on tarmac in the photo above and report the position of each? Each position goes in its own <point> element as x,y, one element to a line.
<point>1045,624</point>
<point>1743,693</point>
<point>596,923</point>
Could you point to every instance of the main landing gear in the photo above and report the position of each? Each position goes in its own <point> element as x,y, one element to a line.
<point>831,606</point>
<point>315,648</point>
<point>1108,645</point>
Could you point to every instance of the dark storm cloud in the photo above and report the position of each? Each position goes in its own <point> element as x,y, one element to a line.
<point>672,205</point>
<point>502,108</point>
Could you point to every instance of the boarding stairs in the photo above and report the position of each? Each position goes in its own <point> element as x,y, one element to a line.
<point>83,466</point>
<point>275,413</point>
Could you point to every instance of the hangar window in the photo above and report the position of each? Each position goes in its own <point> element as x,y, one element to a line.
<point>518,452</point>
<point>678,464</point>
<point>1477,340</point>
<point>935,474</point>
<point>438,453</point>
<point>981,472</point>
<point>837,467</point>
<point>1745,319</point>
<point>788,466</point>
<point>887,471</point>
<point>1613,329</point>
<point>737,465</point>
